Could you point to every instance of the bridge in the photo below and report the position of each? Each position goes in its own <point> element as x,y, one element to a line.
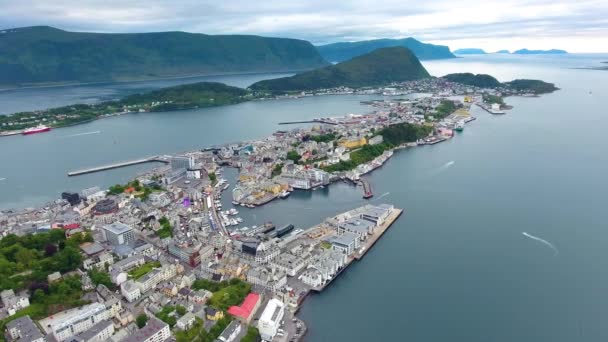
<point>155,159</point>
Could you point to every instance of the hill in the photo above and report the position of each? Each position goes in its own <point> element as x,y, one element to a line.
<point>470,51</point>
<point>44,54</point>
<point>502,51</point>
<point>540,52</point>
<point>339,52</point>
<point>479,80</point>
<point>382,66</point>
<point>531,86</point>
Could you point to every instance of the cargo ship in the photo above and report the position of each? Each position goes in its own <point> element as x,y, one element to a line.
<point>37,129</point>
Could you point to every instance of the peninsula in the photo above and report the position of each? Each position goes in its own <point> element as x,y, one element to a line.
<point>470,51</point>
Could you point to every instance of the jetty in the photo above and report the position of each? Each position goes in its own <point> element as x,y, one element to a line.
<point>154,159</point>
<point>323,121</point>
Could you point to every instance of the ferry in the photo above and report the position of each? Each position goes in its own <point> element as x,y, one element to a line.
<point>459,127</point>
<point>37,129</point>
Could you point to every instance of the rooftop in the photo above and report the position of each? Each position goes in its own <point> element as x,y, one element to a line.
<point>246,308</point>
<point>153,326</point>
<point>117,228</point>
<point>272,310</point>
<point>28,331</point>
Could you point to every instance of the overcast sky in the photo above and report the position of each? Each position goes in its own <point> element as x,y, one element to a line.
<point>574,25</point>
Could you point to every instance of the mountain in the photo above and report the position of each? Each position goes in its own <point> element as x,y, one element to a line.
<point>539,52</point>
<point>339,52</point>
<point>44,54</point>
<point>480,80</point>
<point>470,51</point>
<point>381,66</point>
<point>502,51</point>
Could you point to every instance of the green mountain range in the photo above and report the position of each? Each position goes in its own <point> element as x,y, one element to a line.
<point>43,54</point>
<point>339,52</point>
<point>381,66</point>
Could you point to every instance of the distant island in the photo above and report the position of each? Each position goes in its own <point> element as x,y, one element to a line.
<point>526,86</point>
<point>381,66</point>
<point>46,55</point>
<point>540,52</point>
<point>470,51</point>
<point>339,52</point>
<point>502,51</point>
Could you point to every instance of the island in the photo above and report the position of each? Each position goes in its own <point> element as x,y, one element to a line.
<point>540,52</point>
<point>502,51</point>
<point>339,52</point>
<point>379,67</point>
<point>520,86</point>
<point>470,51</point>
<point>43,55</point>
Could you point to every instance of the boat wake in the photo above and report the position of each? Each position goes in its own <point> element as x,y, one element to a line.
<point>1,179</point>
<point>544,242</point>
<point>382,196</point>
<point>448,164</point>
<point>79,134</point>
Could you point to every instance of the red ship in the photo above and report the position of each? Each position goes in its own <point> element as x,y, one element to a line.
<point>37,129</point>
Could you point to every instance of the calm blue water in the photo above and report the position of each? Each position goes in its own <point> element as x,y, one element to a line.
<point>456,266</point>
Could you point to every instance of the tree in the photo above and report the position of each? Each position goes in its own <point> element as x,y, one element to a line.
<point>50,250</point>
<point>293,155</point>
<point>141,320</point>
<point>180,310</point>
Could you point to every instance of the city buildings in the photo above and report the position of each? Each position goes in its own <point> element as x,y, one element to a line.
<point>247,309</point>
<point>23,329</point>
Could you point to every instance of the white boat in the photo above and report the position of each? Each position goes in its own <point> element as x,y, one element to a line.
<point>232,211</point>
<point>284,194</point>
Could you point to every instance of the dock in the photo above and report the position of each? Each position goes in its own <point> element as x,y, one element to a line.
<point>154,159</point>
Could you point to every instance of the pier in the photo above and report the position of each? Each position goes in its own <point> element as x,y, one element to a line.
<point>322,121</point>
<point>154,159</point>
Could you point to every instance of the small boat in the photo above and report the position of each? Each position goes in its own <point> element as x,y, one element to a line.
<point>284,194</point>
<point>459,127</point>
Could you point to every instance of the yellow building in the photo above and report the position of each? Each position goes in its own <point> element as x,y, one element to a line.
<point>352,142</point>
<point>274,188</point>
<point>468,99</point>
<point>213,314</point>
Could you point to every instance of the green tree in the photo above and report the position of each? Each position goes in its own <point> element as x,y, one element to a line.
<point>141,320</point>
<point>180,310</point>
<point>293,155</point>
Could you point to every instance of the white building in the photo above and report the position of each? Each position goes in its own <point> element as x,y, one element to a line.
<point>185,322</point>
<point>66,324</point>
<point>130,291</point>
<point>98,261</point>
<point>270,320</point>
<point>231,332</point>
<point>13,303</point>
<point>118,233</point>
<point>23,329</point>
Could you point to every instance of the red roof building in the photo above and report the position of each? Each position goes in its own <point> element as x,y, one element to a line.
<point>245,311</point>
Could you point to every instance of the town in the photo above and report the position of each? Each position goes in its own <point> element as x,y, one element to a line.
<point>160,258</point>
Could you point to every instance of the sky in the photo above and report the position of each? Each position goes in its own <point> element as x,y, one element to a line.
<point>573,25</point>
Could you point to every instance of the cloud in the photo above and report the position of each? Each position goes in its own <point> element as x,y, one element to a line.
<point>584,22</point>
